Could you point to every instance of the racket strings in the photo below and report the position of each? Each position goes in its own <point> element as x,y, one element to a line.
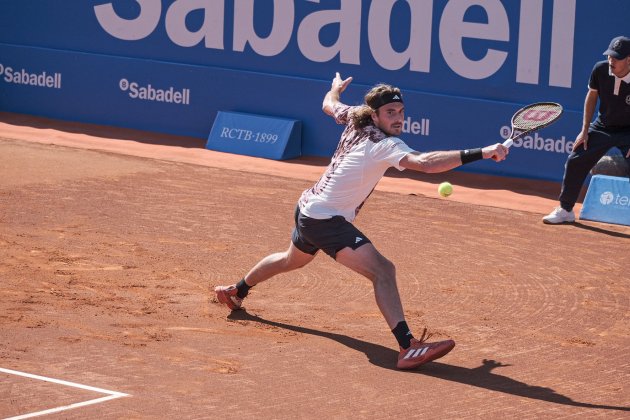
<point>536,116</point>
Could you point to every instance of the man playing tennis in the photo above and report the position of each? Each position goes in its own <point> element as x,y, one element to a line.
<point>323,217</point>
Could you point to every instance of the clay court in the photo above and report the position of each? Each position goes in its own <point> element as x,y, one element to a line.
<point>111,241</point>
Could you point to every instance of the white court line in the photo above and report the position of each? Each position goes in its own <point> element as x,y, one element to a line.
<point>111,395</point>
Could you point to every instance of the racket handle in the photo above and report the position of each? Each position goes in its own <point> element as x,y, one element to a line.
<point>508,143</point>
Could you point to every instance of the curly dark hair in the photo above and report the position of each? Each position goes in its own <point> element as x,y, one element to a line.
<point>362,116</point>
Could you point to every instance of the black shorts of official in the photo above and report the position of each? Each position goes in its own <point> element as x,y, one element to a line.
<point>330,235</point>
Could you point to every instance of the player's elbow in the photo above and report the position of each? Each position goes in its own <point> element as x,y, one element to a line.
<point>327,108</point>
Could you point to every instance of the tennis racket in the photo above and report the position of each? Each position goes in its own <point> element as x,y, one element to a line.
<point>532,118</point>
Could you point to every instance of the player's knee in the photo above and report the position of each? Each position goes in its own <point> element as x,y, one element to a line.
<point>291,262</point>
<point>389,268</point>
<point>385,270</point>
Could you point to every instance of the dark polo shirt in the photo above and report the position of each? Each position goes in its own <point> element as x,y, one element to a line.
<point>614,107</point>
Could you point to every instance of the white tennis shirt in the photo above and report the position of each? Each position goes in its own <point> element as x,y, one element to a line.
<point>360,161</point>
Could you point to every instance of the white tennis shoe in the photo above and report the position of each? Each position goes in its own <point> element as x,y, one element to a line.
<point>559,215</point>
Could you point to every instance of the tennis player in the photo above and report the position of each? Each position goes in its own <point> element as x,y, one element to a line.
<point>610,83</point>
<point>369,145</point>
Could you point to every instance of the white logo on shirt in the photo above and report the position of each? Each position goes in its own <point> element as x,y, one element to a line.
<point>358,239</point>
<point>628,100</point>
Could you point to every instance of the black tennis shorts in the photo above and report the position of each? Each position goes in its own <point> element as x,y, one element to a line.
<point>330,235</point>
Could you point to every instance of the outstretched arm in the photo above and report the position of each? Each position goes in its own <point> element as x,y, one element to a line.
<point>332,97</point>
<point>442,161</point>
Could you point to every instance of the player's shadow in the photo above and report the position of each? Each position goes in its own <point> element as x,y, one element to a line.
<point>481,376</point>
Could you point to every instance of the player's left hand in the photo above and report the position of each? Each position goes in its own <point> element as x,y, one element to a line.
<point>339,84</point>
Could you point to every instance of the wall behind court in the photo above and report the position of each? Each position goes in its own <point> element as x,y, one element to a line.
<point>169,66</point>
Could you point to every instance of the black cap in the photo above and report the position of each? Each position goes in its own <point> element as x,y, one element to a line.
<point>619,48</point>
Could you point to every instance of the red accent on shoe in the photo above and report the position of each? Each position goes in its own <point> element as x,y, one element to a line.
<point>421,352</point>
<point>227,295</point>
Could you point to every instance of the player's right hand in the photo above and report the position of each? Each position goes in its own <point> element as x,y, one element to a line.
<point>497,152</point>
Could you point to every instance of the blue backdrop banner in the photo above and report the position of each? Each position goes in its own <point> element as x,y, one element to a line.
<point>171,65</point>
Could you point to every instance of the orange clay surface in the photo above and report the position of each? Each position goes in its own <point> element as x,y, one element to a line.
<point>111,241</point>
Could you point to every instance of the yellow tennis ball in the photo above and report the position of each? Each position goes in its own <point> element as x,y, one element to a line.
<point>445,189</point>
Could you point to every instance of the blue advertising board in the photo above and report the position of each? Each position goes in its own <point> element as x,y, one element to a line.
<point>171,65</point>
<point>607,200</point>
<point>256,135</point>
